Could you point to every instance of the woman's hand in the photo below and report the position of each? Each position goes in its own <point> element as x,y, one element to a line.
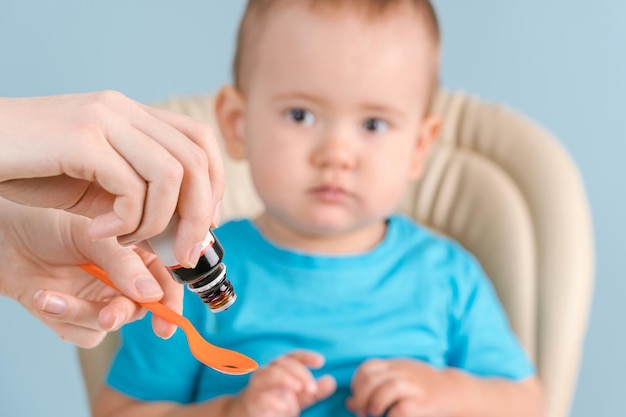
<point>127,166</point>
<point>41,251</point>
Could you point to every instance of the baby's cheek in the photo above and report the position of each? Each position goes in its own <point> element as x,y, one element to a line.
<point>386,191</point>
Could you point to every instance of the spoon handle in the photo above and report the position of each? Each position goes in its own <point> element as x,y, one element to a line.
<point>223,360</point>
<point>159,309</point>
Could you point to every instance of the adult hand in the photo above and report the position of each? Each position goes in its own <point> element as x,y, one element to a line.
<point>126,165</point>
<point>41,251</point>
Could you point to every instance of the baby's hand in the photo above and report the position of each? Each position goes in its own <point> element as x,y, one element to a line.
<point>400,388</point>
<point>284,387</point>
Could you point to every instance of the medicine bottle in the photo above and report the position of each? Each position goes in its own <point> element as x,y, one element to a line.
<point>208,278</point>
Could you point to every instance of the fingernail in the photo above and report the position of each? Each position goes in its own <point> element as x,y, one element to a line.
<point>165,330</point>
<point>217,213</point>
<point>52,304</point>
<point>148,288</point>
<point>120,318</point>
<point>194,255</point>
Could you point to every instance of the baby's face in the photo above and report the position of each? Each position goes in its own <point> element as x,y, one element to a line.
<point>334,116</point>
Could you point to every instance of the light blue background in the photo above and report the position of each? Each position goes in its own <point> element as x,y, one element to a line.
<point>562,62</point>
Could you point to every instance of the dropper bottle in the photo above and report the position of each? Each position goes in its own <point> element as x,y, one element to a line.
<point>207,278</point>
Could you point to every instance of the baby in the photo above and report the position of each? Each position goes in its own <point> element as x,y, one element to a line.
<point>350,308</point>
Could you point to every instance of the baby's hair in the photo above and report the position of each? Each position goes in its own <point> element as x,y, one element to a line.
<point>257,10</point>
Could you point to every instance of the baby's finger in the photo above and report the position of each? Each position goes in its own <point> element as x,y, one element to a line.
<point>364,381</point>
<point>272,378</point>
<point>326,385</point>
<point>390,391</point>
<point>297,364</point>
<point>274,403</point>
<point>408,407</point>
<point>367,373</point>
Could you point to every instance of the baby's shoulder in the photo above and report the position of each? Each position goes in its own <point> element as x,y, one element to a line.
<point>440,252</point>
<point>407,231</point>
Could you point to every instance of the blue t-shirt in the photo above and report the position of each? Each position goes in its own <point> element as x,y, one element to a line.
<point>416,295</point>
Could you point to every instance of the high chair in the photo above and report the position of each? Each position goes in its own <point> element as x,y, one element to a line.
<point>508,191</point>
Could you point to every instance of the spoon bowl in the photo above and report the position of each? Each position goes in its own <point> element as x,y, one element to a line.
<point>223,360</point>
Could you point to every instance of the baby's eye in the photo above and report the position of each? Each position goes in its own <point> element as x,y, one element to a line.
<point>301,116</point>
<point>375,125</point>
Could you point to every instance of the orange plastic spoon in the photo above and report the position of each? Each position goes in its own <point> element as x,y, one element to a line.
<point>223,360</point>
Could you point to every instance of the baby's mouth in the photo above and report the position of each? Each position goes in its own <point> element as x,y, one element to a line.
<point>330,193</point>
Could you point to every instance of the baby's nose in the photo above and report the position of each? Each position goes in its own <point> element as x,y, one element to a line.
<point>334,153</point>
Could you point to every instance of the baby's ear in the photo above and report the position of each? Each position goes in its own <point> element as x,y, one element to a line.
<point>230,111</point>
<point>429,132</point>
